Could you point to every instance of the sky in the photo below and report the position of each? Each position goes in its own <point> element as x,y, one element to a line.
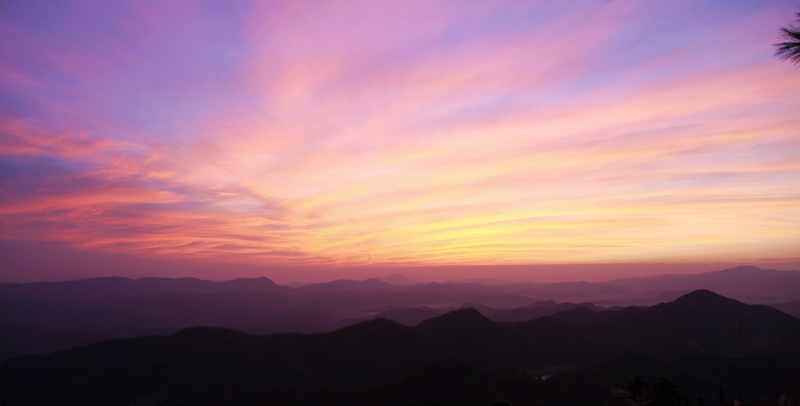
<point>325,139</point>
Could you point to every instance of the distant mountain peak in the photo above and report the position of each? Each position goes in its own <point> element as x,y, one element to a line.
<point>743,269</point>
<point>378,325</point>
<point>466,313</point>
<point>347,285</point>
<point>398,279</point>
<point>260,279</point>
<point>540,304</point>
<point>749,270</point>
<point>703,297</point>
<point>481,308</point>
<point>462,321</point>
<point>747,283</point>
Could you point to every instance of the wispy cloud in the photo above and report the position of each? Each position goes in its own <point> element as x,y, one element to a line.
<point>401,132</point>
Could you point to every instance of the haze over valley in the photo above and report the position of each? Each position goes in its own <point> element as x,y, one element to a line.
<point>48,316</point>
<point>379,343</point>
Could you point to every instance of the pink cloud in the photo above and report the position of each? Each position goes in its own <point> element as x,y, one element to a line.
<point>367,134</point>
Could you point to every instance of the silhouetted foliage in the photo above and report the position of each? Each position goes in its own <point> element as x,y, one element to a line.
<point>638,387</point>
<point>638,393</point>
<point>666,393</point>
<point>789,48</point>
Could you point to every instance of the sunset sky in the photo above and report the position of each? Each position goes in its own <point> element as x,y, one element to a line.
<point>300,140</point>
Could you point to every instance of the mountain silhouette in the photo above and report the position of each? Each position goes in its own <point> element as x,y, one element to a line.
<point>705,316</point>
<point>410,316</point>
<point>705,299</point>
<point>377,361</point>
<point>398,279</point>
<point>539,309</point>
<point>346,285</point>
<point>790,308</point>
<point>48,316</point>
<point>743,282</point>
<point>458,324</point>
<point>581,315</point>
<point>88,289</point>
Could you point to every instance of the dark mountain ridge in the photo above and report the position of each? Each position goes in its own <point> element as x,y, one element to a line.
<point>212,365</point>
<point>88,289</point>
<point>456,323</point>
<point>346,285</point>
<point>48,316</point>
<point>743,282</point>
<point>539,309</point>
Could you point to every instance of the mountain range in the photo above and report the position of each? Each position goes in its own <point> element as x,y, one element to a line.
<point>702,341</point>
<point>48,316</point>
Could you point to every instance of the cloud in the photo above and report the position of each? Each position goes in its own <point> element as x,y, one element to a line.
<point>349,133</point>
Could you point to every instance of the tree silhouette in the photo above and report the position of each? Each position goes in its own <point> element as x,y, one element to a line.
<point>638,393</point>
<point>666,393</point>
<point>789,49</point>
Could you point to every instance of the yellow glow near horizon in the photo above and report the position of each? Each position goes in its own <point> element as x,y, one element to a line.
<point>458,142</point>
